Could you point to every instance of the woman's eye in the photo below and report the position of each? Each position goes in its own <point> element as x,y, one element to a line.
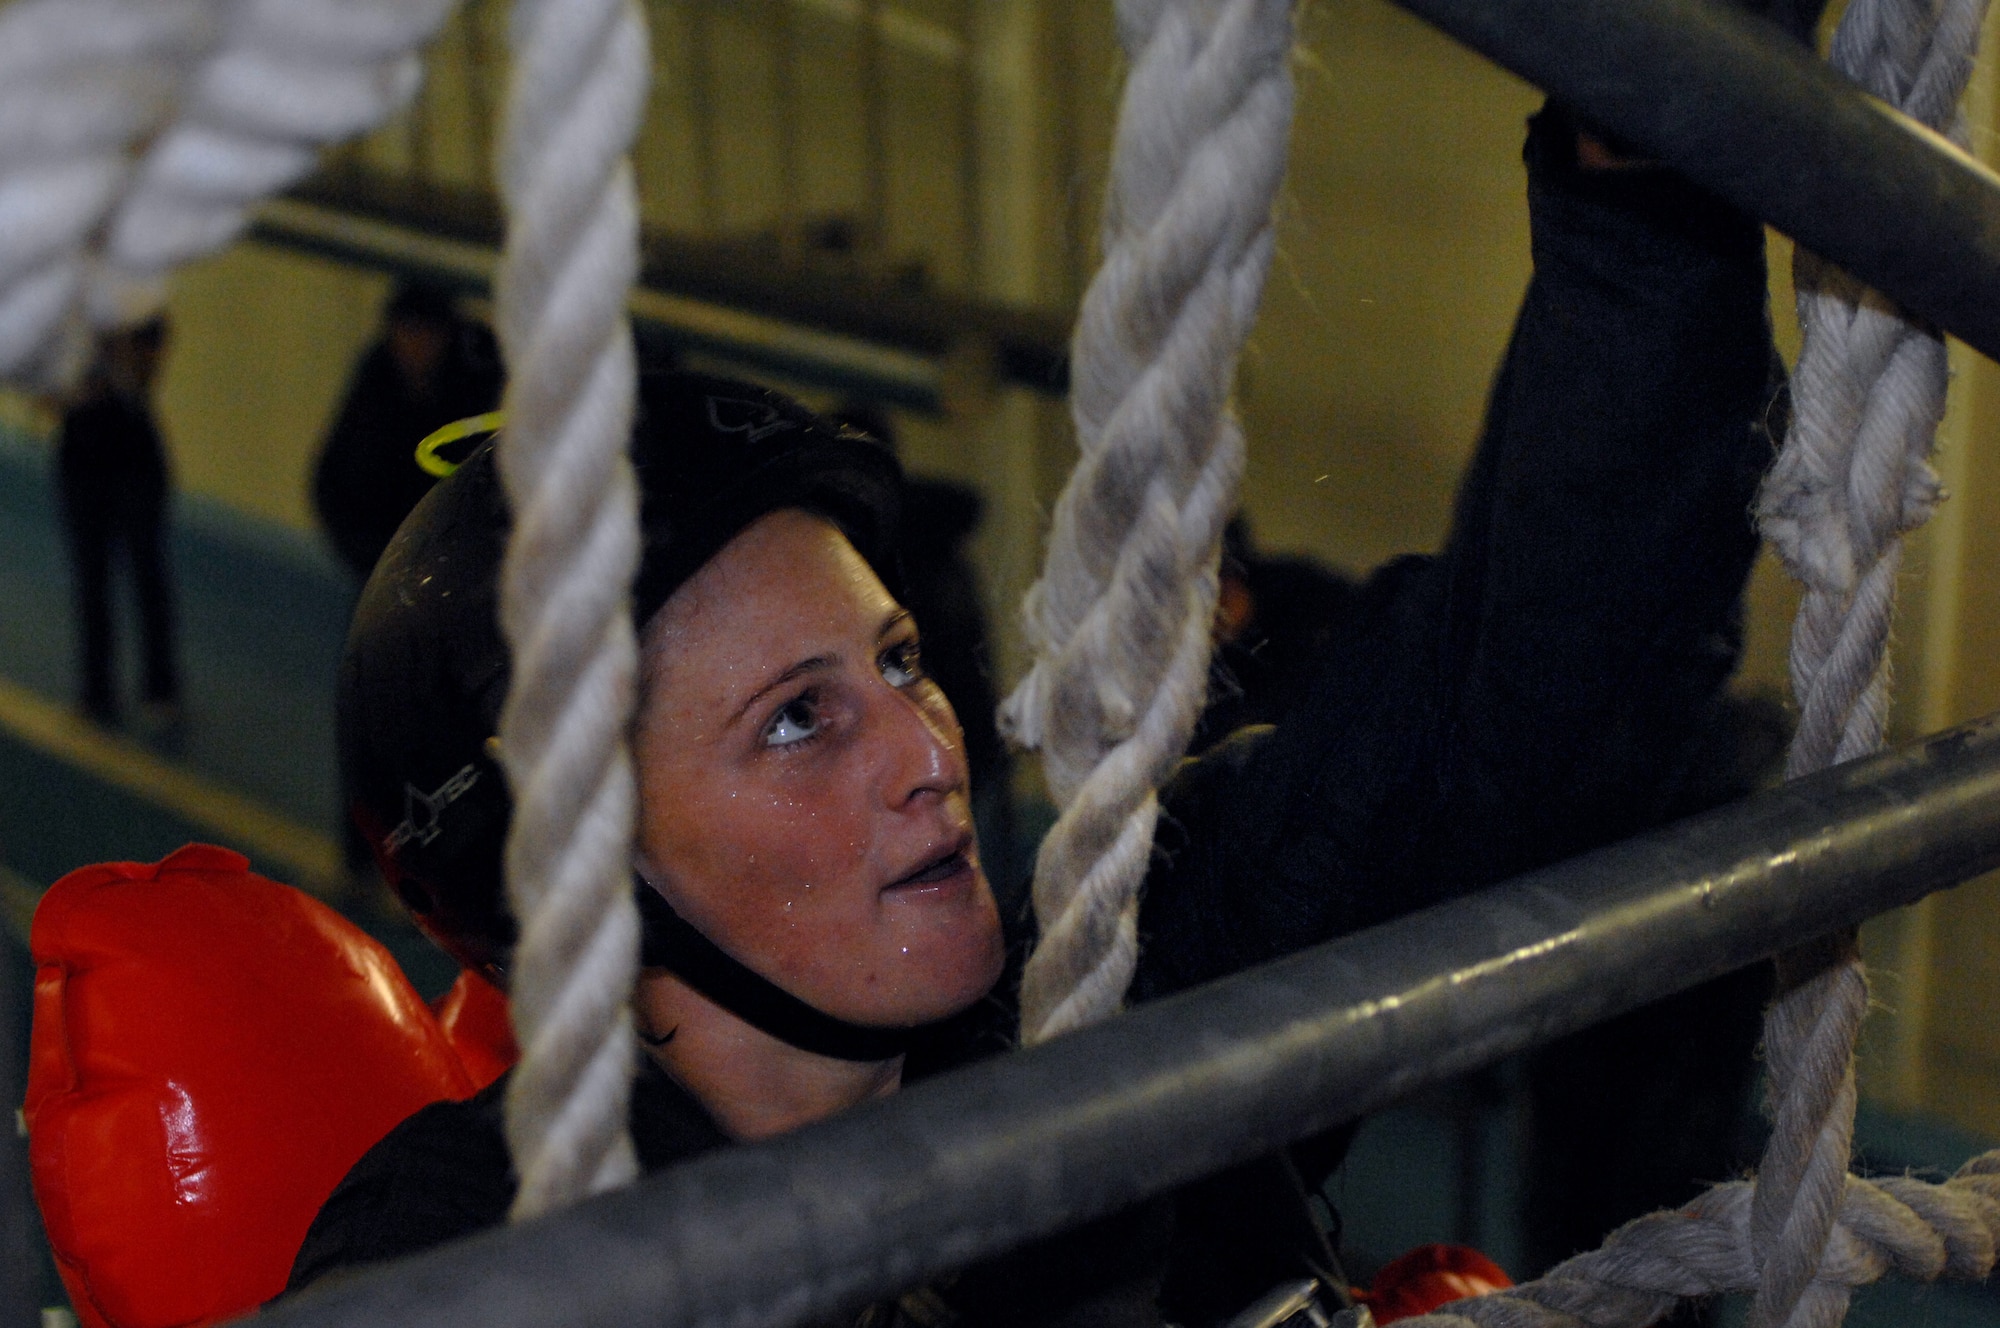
<point>797,721</point>
<point>902,664</point>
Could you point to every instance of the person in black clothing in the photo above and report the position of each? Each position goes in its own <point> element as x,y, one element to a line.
<point>431,367</point>
<point>115,482</point>
<point>817,927</point>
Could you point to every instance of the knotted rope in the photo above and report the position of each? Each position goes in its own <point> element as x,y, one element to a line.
<point>135,135</point>
<point>1852,478</point>
<point>578,91</point>
<point>1868,395</point>
<point>1899,1224</point>
<point>1120,619</point>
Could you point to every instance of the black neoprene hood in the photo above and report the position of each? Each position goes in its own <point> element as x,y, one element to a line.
<point>425,670</point>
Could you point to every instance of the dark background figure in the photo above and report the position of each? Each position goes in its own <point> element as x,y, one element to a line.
<point>432,366</point>
<point>942,593</point>
<point>115,482</point>
<point>1275,619</point>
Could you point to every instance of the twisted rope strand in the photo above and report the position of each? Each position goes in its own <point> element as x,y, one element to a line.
<point>82,84</point>
<point>135,136</point>
<point>1809,1035</point>
<point>1120,620</point>
<point>579,88</point>
<point>1914,1228</point>
<point>1852,479</point>
<point>288,78</point>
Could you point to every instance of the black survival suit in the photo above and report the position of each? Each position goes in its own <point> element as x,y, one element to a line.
<point>1524,695</point>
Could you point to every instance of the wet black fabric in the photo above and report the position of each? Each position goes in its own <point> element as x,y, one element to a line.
<point>1528,693</point>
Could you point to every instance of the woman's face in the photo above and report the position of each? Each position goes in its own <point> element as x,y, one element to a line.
<point>803,792</point>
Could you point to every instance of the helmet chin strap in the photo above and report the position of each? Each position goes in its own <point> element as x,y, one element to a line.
<point>671,942</point>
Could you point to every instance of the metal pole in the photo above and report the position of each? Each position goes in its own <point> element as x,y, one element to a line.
<point>1729,102</point>
<point>892,1194</point>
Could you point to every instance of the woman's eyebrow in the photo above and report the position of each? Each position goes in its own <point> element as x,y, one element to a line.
<point>892,622</point>
<point>797,670</point>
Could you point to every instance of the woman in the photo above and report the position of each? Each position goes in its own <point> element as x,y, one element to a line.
<point>818,928</point>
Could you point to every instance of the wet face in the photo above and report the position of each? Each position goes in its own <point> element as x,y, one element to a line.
<point>803,791</point>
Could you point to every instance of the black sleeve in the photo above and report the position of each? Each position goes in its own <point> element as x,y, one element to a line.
<point>442,1174</point>
<point>1526,694</point>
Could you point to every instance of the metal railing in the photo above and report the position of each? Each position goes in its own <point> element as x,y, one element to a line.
<point>888,1195</point>
<point>1726,100</point>
<point>964,1167</point>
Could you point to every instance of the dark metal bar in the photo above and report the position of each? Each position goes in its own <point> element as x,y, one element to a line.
<point>889,1195</point>
<point>755,343</point>
<point>1729,102</point>
<point>749,276</point>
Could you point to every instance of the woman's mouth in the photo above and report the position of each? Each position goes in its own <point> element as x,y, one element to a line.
<point>944,869</point>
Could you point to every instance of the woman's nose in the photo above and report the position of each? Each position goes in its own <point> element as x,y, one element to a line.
<point>922,748</point>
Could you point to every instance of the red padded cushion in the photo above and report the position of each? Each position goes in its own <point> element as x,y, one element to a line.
<point>475,1018</point>
<point>211,1052</point>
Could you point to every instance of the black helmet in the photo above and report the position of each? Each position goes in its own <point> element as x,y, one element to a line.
<point>425,670</point>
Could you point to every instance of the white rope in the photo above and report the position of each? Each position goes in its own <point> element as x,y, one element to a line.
<point>1868,394</point>
<point>1900,1225</point>
<point>288,78</point>
<point>1120,620</point>
<point>579,88</point>
<point>82,84</point>
<point>136,134</point>
<point>1853,477</point>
